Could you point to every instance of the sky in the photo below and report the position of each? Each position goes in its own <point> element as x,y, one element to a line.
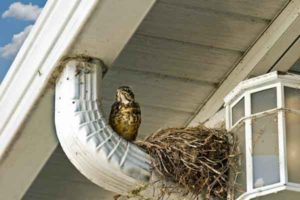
<point>16,21</point>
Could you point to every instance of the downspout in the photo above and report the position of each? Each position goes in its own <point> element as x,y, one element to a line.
<point>89,142</point>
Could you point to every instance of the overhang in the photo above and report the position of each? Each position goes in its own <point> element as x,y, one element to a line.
<point>181,60</point>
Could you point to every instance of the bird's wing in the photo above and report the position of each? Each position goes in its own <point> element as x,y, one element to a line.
<point>113,112</point>
<point>137,112</point>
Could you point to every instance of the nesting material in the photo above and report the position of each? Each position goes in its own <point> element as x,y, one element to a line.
<point>85,61</point>
<point>197,159</point>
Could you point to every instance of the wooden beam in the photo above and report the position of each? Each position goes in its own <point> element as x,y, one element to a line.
<point>289,58</point>
<point>258,60</point>
<point>27,134</point>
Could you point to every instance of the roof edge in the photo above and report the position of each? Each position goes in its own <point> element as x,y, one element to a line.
<point>31,70</point>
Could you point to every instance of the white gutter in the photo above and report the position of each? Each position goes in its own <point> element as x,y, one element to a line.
<point>24,149</point>
<point>48,41</point>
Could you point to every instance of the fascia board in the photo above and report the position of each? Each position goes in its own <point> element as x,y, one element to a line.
<point>52,35</point>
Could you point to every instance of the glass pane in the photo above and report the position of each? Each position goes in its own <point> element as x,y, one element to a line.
<point>293,146</point>
<point>238,111</point>
<point>265,151</point>
<point>241,180</point>
<point>263,100</point>
<point>292,98</point>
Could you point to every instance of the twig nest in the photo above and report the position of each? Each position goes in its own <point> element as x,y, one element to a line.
<point>198,159</point>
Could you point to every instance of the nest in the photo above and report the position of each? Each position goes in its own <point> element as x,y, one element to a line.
<point>83,67</point>
<point>197,159</point>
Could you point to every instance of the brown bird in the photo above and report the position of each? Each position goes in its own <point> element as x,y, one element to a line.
<point>125,114</point>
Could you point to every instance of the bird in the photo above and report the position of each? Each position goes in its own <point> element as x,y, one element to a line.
<point>125,114</point>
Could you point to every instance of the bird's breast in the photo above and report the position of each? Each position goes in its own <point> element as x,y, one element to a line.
<point>126,122</point>
<point>127,117</point>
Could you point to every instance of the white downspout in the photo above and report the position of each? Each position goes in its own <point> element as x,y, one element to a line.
<point>89,142</point>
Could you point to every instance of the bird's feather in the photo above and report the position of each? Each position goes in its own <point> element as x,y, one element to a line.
<point>125,119</point>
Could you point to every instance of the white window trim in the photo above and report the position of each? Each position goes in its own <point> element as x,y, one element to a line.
<point>244,90</point>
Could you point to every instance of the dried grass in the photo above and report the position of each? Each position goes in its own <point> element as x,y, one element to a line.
<point>197,160</point>
<point>84,59</point>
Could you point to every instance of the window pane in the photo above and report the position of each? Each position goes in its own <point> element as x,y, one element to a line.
<point>292,98</point>
<point>265,151</point>
<point>263,100</point>
<point>293,146</point>
<point>238,111</point>
<point>241,180</point>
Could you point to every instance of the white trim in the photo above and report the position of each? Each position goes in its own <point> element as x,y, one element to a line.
<point>28,45</point>
<point>262,82</point>
<point>21,89</point>
<point>281,134</point>
<point>45,45</point>
<point>270,190</point>
<point>262,192</point>
<point>253,84</point>
<point>30,152</point>
<point>228,118</point>
<point>248,144</point>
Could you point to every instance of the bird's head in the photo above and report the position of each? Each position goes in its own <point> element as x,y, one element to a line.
<point>125,95</point>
